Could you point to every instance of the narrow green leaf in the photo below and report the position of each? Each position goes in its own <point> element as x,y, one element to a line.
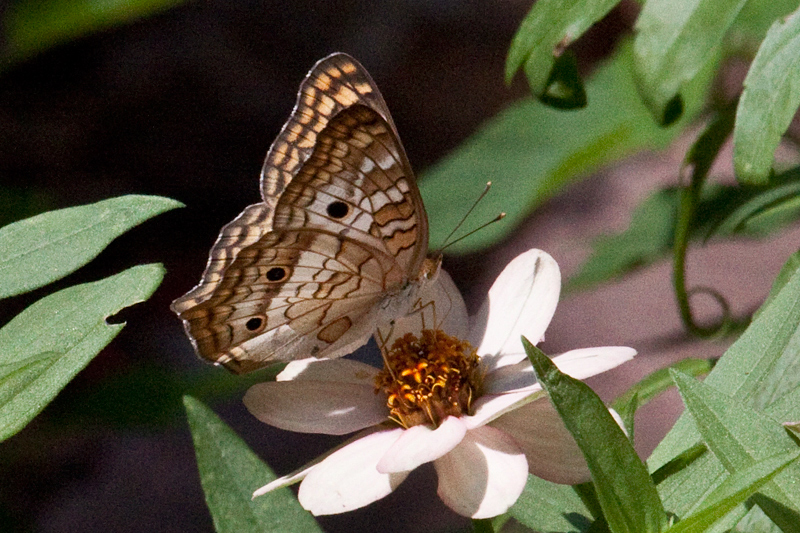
<point>647,239</point>
<point>43,347</point>
<point>549,28</point>
<point>774,217</point>
<point>756,522</point>
<point>675,41</point>
<point>734,491</point>
<point>530,152</point>
<point>785,518</point>
<point>32,26</point>
<point>626,493</point>
<point>770,98</point>
<point>627,412</point>
<point>657,382</point>
<point>758,369</point>
<point>739,436</point>
<point>761,371</point>
<point>230,472</point>
<point>650,235</point>
<point>723,211</point>
<point>754,20</point>
<point>679,463</point>
<point>761,202</point>
<point>789,268</point>
<point>41,249</point>
<point>546,506</point>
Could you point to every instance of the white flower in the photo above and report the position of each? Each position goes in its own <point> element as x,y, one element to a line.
<point>484,422</point>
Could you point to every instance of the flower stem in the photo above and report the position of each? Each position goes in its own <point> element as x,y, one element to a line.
<point>482,525</point>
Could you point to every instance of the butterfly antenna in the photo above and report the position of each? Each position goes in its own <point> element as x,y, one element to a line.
<point>464,218</point>
<point>498,218</point>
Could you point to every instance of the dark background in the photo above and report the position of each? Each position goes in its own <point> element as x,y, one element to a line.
<point>185,104</point>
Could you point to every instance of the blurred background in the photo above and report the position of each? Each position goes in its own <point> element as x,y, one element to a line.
<point>184,103</point>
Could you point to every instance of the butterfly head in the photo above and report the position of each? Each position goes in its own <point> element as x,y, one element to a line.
<point>431,267</point>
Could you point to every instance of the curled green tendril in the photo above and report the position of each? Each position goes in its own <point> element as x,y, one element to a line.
<point>698,162</point>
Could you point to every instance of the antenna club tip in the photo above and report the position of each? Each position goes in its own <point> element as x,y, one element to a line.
<point>501,216</point>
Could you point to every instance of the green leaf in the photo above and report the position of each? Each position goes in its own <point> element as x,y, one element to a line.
<point>156,392</point>
<point>43,347</point>
<point>675,41</point>
<point>770,98</point>
<point>41,249</point>
<point>774,217</point>
<point>626,410</point>
<point>756,522</point>
<point>789,268</point>
<point>762,202</point>
<point>32,26</point>
<point>530,152</point>
<point>549,28</point>
<point>756,17</point>
<point>785,518</point>
<point>230,472</point>
<point>648,238</point>
<point>760,370</point>
<point>739,436</point>
<point>546,506</point>
<point>659,381</point>
<point>734,491</point>
<point>626,493</point>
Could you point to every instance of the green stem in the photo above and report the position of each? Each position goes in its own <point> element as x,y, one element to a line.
<point>482,525</point>
<point>698,162</point>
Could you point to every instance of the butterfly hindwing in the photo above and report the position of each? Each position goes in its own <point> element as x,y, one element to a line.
<point>290,285</point>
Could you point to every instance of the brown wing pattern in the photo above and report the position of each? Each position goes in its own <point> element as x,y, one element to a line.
<point>356,183</point>
<point>332,85</point>
<point>290,284</point>
<point>341,227</point>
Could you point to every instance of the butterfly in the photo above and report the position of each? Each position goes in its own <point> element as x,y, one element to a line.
<point>337,249</point>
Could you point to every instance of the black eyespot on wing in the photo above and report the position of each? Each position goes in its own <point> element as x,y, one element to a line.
<point>338,209</point>
<point>254,324</point>
<point>276,274</point>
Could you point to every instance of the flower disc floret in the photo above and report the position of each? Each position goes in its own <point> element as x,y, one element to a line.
<point>428,378</point>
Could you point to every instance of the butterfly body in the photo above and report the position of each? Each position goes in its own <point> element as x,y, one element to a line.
<point>337,248</point>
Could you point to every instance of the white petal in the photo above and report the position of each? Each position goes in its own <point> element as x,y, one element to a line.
<point>421,444</point>
<point>348,479</point>
<point>551,451</point>
<point>509,377</point>
<point>305,406</point>
<point>285,481</point>
<point>484,475</point>
<point>344,370</point>
<point>302,472</point>
<point>587,362</point>
<point>488,407</point>
<point>521,302</point>
<point>438,305</point>
<point>579,364</point>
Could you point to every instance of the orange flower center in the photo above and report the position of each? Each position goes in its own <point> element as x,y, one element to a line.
<point>430,378</point>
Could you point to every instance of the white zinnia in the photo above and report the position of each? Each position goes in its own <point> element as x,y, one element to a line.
<point>482,457</point>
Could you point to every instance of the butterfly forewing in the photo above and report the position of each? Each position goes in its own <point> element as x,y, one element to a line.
<point>334,84</point>
<point>357,185</point>
<point>342,231</point>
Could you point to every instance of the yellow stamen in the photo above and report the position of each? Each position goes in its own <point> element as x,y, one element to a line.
<point>429,378</point>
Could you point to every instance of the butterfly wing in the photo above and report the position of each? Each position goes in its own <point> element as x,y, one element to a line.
<point>293,294</point>
<point>342,226</point>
